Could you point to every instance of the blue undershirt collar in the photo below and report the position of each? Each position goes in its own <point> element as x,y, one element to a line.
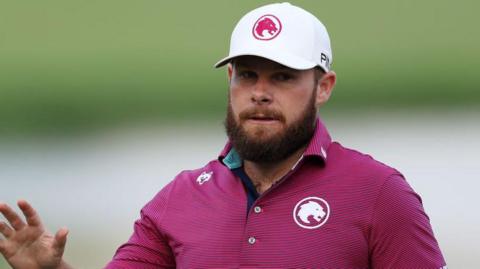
<point>233,161</point>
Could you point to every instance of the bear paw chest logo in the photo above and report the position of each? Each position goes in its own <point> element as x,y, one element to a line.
<point>311,212</point>
<point>267,27</point>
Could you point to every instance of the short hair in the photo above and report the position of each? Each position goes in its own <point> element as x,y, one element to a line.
<point>319,72</point>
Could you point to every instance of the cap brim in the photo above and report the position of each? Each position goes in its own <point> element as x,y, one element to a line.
<point>281,58</point>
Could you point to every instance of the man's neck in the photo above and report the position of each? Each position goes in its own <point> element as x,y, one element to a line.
<point>264,175</point>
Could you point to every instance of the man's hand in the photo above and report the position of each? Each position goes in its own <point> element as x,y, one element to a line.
<point>29,245</point>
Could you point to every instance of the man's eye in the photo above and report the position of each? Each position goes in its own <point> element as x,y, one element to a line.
<point>283,77</point>
<point>247,74</point>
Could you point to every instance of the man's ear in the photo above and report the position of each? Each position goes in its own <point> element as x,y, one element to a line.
<point>230,72</point>
<point>325,87</point>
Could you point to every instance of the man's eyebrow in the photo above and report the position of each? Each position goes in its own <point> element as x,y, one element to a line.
<point>282,68</point>
<point>238,64</point>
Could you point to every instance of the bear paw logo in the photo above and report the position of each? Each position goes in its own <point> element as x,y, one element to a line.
<point>204,177</point>
<point>311,212</point>
<point>267,27</point>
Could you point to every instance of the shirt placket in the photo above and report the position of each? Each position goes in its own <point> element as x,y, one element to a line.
<point>252,237</point>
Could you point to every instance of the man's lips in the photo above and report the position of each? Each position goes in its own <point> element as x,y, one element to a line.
<point>262,119</point>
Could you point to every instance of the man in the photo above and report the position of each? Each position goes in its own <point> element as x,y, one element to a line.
<point>281,194</point>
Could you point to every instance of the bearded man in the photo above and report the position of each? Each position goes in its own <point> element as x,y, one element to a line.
<point>281,194</point>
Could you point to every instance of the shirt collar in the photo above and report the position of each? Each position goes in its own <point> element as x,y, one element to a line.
<point>317,147</point>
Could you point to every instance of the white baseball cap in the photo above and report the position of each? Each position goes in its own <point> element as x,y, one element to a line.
<point>283,33</point>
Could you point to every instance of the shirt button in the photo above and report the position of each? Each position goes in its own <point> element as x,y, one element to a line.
<point>257,209</point>
<point>251,240</point>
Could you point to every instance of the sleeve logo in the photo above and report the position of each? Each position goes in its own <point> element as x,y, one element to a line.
<point>204,177</point>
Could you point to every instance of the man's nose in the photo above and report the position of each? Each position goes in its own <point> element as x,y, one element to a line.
<point>261,93</point>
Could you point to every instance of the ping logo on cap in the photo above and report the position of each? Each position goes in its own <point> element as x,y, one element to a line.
<point>267,27</point>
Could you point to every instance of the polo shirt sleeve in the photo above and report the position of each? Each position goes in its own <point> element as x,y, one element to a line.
<point>401,235</point>
<point>147,248</point>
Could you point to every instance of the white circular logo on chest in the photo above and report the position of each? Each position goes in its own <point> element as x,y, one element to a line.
<point>311,212</point>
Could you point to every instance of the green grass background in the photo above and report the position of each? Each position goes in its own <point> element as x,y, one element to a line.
<point>72,66</point>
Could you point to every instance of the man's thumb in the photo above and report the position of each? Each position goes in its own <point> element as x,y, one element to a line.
<point>60,239</point>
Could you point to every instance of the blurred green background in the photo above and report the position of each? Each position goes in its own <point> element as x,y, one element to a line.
<point>74,66</point>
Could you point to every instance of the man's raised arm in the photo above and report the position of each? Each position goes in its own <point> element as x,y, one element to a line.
<point>29,245</point>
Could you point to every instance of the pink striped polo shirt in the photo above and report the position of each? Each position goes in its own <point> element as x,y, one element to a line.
<point>337,208</point>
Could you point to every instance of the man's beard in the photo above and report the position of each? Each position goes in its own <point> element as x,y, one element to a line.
<point>278,147</point>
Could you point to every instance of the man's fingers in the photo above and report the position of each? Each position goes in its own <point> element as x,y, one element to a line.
<point>60,239</point>
<point>11,216</point>
<point>31,215</point>
<point>5,230</point>
<point>2,247</point>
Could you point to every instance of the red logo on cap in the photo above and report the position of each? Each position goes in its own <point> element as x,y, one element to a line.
<point>267,27</point>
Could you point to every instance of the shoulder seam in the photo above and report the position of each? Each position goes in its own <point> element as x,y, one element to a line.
<point>167,200</point>
<point>375,204</point>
